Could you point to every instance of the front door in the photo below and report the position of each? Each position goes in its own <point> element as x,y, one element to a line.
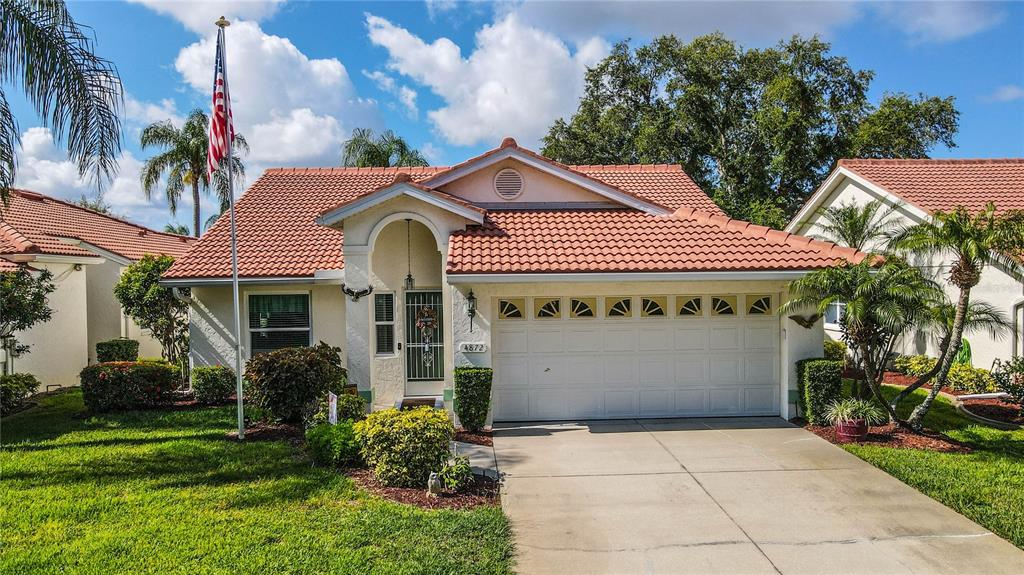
<point>424,343</point>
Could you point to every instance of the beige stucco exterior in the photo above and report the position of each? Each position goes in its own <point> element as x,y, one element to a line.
<point>376,256</point>
<point>997,287</point>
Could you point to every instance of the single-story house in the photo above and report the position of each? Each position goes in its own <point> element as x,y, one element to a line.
<point>86,252</point>
<point>592,291</point>
<point>916,189</point>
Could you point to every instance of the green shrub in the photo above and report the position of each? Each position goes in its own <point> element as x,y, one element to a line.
<point>1009,377</point>
<point>334,445</point>
<point>123,385</point>
<point>120,349</point>
<point>288,382</point>
<point>852,409</point>
<point>835,350</point>
<point>403,447</point>
<point>350,406</point>
<point>915,365</point>
<point>820,384</point>
<point>473,396</point>
<point>213,384</point>
<point>14,388</point>
<point>966,379</point>
<point>456,475</point>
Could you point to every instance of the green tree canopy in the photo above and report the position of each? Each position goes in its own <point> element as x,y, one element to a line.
<point>153,306</point>
<point>758,129</point>
<point>23,295</point>
<point>364,150</point>
<point>45,53</point>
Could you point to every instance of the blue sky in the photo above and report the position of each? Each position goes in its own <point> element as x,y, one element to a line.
<point>454,77</point>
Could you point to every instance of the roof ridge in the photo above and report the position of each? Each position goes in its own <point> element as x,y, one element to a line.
<point>353,170</point>
<point>627,167</point>
<point>757,231</point>
<point>38,195</point>
<point>20,242</point>
<point>910,161</point>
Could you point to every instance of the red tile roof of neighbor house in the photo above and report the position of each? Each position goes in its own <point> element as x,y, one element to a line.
<point>944,184</point>
<point>278,236</point>
<point>35,224</point>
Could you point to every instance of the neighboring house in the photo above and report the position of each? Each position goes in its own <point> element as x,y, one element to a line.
<point>593,291</point>
<point>86,252</point>
<point>917,188</point>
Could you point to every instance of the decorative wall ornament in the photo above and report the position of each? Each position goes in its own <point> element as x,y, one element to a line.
<point>356,295</point>
<point>806,321</point>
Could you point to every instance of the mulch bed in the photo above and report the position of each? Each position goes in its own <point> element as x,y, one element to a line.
<point>891,435</point>
<point>483,491</point>
<point>996,409</point>
<point>272,431</point>
<point>903,380</point>
<point>482,437</point>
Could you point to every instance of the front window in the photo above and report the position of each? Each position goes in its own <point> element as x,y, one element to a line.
<point>277,321</point>
<point>834,315</point>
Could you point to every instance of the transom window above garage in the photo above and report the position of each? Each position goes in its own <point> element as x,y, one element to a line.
<point>511,308</point>
<point>618,306</point>
<point>582,307</point>
<point>653,306</point>
<point>547,307</point>
<point>690,306</point>
<point>759,305</point>
<point>723,305</point>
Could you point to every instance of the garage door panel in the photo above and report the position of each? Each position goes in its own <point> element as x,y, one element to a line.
<point>656,402</point>
<point>620,403</point>
<point>545,340</point>
<point>587,404</point>
<point>725,369</point>
<point>761,368</point>
<point>691,401</point>
<point>655,370</point>
<point>619,339</point>
<point>760,337</point>
<point>724,400</point>
<point>513,340</point>
<point>583,339</point>
<point>762,399</point>
<point>585,370</point>
<point>724,337</point>
<point>691,369</point>
<point>512,405</point>
<point>654,338</point>
<point>511,371</point>
<point>548,403</point>
<point>547,370</point>
<point>691,337</point>
<point>619,369</point>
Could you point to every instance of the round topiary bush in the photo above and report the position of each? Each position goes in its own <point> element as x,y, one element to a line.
<point>473,396</point>
<point>403,447</point>
<point>289,382</point>
<point>14,388</point>
<point>213,384</point>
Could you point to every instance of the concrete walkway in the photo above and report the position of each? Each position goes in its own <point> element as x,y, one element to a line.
<point>750,495</point>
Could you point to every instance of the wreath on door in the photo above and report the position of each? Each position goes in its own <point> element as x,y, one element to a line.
<point>426,322</point>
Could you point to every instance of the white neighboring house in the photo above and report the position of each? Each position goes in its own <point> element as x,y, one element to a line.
<point>593,291</point>
<point>86,252</point>
<point>917,188</point>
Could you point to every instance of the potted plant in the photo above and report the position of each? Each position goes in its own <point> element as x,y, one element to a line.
<point>852,418</point>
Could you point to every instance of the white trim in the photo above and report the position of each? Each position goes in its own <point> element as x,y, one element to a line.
<point>440,240</point>
<point>376,198</point>
<point>116,258</point>
<point>52,259</point>
<point>282,280</point>
<point>624,276</point>
<point>548,168</point>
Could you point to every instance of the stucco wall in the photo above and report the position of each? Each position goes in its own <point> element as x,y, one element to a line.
<point>538,186</point>
<point>997,287</point>
<point>211,322</point>
<point>60,346</point>
<point>105,318</point>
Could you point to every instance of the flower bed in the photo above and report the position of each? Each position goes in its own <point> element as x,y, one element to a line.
<point>482,437</point>
<point>995,409</point>
<point>483,491</point>
<point>890,435</point>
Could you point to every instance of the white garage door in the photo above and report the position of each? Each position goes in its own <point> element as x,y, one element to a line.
<point>625,357</point>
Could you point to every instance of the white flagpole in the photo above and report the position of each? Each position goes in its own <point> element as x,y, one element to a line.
<point>222,23</point>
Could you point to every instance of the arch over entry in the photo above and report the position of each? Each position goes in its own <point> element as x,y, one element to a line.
<point>391,218</point>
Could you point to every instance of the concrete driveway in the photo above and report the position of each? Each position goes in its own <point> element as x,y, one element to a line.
<point>750,495</point>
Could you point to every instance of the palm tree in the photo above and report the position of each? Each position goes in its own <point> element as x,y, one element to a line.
<point>860,227</point>
<point>75,92</point>
<point>183,159</point>
<point>363,150</point>
<point>883,302</point>
<point>180,229</point>
<point>974,241</point>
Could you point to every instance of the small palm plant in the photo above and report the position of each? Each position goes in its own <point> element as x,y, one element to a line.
<point>852,418</point>
<point>365,149</point>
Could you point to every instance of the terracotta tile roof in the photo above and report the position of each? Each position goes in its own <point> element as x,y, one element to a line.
<point>944,184</point>
<point>550,241</point>
<point>35,223</point>
<point>404,177</point>
<point>278,236</point>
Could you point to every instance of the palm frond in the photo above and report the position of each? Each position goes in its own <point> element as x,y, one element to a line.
<point>9,141</point>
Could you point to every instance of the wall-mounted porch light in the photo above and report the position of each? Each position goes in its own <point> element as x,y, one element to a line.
<point>471,308</point>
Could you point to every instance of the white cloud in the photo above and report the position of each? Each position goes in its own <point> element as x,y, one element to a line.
<point>383,81</point>
<point>199,16</point>
<point>407,96</point>
<point>940,21</point>
<point>149,112</point>
<point>1007,93</point>
<point>432,153</point>
<point>435,7</point>
<point>515,82</point>
<point>292,109</point>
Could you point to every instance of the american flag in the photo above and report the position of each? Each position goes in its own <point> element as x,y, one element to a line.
<point>220,118</point>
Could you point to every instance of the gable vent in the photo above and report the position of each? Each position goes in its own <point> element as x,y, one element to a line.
<point>508,183</point>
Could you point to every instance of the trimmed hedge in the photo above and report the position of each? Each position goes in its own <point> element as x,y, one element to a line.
<point>289,382</point>
<point>835,350</point>
<point>14,388</point>
<point>964,378</point>
<point>124,385</point>
<point>820,382</point>
<point>916,365</point>
<point>333,445</point>
<point>351,407</point>
<point>120,349</point>
<point>213,384</point>
<point>473,396</point>
<point>403,447</point>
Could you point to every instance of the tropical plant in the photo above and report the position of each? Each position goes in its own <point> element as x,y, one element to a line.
<point>213,384</point>
<point>23,304</point>
<point>364,150</point>
<point>457,474</point>
<point>864,228</point>
<point>404,447</point>
<point>852,409</point>
<point>334,445</point>
<point>153,306</point>
<point>883,302</point>
<point>1009,377</point>
<point>44,52</point>
<point>974,241</point>
<point>14,389</point>
<point>759,129</point>
<point>180,229</point>
<point>289,382</point>
<point>183,159</point>
<point>96,204</point>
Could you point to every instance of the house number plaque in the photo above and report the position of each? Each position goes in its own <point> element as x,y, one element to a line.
<point>473,347</point>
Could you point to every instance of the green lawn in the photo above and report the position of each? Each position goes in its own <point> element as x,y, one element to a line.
<point>986,485</point>
<point>167,492</point>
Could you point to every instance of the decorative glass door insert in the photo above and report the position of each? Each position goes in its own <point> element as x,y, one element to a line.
<point>424,336</point>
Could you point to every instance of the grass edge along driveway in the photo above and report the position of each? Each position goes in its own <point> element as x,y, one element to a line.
<point>167,492</point>
<point>986,485</point>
